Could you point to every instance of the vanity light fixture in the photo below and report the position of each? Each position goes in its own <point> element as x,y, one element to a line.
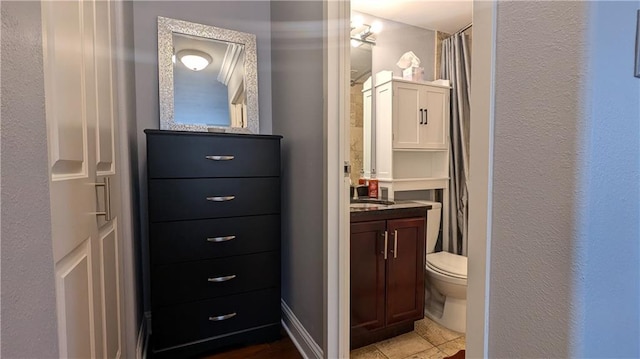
<point>362,33</point>
<point>194,59</point>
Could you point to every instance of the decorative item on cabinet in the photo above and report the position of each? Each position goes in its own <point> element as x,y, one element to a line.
<point>214,240</point>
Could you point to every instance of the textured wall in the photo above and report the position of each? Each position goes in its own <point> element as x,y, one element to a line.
<point>356,133</point>
<point>297,80</point>
<point>246,16</point>
<point>29,325</point>
<point>540,64</point>
<point>609,254</point>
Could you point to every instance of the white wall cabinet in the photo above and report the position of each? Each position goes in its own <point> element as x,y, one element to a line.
<point>408,141</point>
<point>419,114</point>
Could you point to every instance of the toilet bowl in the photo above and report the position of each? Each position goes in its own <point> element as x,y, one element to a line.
<point>446,279</point>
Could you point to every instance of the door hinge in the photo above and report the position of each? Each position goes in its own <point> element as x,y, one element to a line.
<point>347,168</point>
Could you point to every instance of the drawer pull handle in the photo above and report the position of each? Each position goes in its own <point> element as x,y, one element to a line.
<point>221,279</point>
<point>220,158</point>
<point>222,317</point>
<point>220,198</point>
<point>220,239</point>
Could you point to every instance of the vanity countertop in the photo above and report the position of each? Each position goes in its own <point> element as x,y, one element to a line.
<point>399,208</point>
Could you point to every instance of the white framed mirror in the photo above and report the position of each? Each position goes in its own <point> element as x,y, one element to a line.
<point>207,78</point>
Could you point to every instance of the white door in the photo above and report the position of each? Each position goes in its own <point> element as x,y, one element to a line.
<point>80,114</point>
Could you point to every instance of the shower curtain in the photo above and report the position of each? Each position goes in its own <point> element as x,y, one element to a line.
<point>455,67</point>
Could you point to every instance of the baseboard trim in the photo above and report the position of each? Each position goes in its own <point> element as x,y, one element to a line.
<point>142,343</point>
<point>307,347</point>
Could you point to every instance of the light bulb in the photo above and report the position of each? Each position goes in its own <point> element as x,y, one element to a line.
<point>357,21</point>
<point>376,27</point>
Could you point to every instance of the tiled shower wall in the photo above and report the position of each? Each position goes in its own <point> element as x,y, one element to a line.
<point>356,132</point>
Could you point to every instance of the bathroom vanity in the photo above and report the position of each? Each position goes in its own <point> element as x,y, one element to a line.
<point>387,270</point>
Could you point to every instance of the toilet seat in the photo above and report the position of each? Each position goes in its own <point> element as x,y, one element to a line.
<point>448,264</point>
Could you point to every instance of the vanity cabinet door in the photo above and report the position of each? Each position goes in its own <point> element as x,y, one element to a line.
<point>405,270</point>
<point>367,276</point>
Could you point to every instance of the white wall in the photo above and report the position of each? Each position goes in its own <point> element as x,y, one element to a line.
<point>29,324</point>
<point>564,251</point>
<point>297,76</point>
<point>608,277</point>
<point>397,38</point>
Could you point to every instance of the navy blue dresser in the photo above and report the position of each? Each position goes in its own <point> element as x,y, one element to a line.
<point>214,240</point>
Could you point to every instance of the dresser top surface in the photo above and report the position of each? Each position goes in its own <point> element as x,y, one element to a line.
<point>214,134</point>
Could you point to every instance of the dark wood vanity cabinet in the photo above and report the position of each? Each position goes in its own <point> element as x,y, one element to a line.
<point>387,277</point>
<point>214,240</point>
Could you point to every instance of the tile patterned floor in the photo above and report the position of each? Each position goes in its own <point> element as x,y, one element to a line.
<point>429,340</point>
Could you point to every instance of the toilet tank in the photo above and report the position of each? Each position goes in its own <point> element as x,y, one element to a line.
<point>433,224</point>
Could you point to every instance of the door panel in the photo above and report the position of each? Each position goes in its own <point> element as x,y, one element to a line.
<point>111,288</point>
<point>66,122</point>
<point>367,276</point>
<point>105,95</point>
<point>405,270</point>
<point>75,308</point>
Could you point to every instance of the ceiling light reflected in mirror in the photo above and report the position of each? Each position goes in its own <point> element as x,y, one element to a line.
<point>193,59</point>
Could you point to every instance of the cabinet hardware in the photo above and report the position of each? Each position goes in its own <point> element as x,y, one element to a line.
<point>222,317</point>
<point>421,115</point>
<point>221,279</point>
<point>395,243</point>
<point>220,239</point>
<point>426,116</point>
<point>220,198</point>
<point>220,158</point>
<point>107,199</point>
<point>386,244</point>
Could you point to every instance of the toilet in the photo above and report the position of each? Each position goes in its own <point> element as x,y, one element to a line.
<point>446,279</point>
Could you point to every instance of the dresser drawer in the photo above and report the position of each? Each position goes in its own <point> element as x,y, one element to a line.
<point>189,322</point>
<point>185,156</point>
<point>212,238</point>
<point>182,199</point>
<point>191,281</point>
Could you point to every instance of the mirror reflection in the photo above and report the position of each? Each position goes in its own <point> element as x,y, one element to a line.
<point>208,82</point>
<point>207,78</point>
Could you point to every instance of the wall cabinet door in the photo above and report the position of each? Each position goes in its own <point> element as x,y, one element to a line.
<point>407,116</point>
<point>367,276</point>
<point>405,270</point>
<point>420,116</point>
<point>433,127</point>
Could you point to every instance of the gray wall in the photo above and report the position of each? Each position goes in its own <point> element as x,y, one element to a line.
<point>608,276</point>
<point>297,88</point>
<point>564,250</point>
<point>246,16</point>
<point>29,326</point>
<point>538,115</point>
<point>133,288</point>
<point>397,38</point>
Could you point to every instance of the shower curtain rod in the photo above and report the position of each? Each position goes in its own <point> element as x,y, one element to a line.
<point>463,29</point>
